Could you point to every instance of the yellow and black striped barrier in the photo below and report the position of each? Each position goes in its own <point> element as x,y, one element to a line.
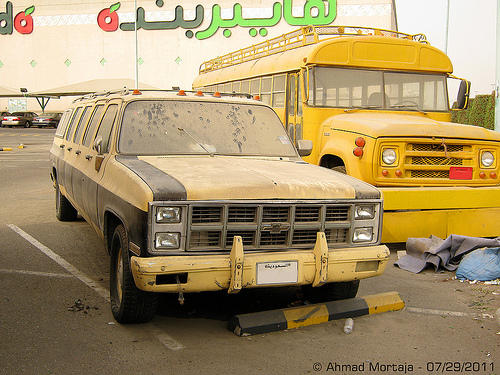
<point>294,317</point>
<point>5,149</point>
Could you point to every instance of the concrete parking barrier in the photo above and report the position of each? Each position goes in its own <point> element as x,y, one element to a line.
<point>277,320</point>
<point>5,149</point>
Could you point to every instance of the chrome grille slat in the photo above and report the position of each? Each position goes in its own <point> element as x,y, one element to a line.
<point>266,226</point>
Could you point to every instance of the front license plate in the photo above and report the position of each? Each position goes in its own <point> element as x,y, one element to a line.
<point>277,272</point>
<point>460,173</point>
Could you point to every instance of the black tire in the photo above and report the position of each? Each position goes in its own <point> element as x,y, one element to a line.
<point>340,168</point>
<point>129,304</point>
<point>27,124</point>
<point>331,291</point>
<point>64,209</point>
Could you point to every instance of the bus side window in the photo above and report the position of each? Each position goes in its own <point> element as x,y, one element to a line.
<point>245,86</point>
<point>255,86</point>
<point>265,90</point>
<point>279,83</point>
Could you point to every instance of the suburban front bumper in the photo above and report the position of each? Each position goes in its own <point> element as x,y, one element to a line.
<point>239,269</point>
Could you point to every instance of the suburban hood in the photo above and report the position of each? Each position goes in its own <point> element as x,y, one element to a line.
<point>229,177</point>
<point>390,125</point>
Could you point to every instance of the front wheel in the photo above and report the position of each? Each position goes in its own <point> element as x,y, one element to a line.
<point>129,304</point>
<point>331,291</point>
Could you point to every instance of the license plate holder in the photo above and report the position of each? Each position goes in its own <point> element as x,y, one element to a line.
<point>284,272</point>
<point>460,173</point>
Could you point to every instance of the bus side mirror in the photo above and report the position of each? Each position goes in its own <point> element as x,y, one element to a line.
<point>305,147</point>
<point>463,94</point>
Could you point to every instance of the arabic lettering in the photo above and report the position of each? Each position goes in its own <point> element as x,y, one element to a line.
<point>315,13</point>
<point>178,20</point>
<point>22,22</point>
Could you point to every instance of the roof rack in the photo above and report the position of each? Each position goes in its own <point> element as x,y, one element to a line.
<point>127,91</point>
<point>304,36</point>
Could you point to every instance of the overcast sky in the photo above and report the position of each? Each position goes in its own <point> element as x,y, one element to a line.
<point>471,36</point>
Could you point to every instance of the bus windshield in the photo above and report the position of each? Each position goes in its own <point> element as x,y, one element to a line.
<point>160,127</point>
<point>375,89</point>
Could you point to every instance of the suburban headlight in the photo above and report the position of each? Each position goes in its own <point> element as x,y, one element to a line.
<point>168,215</point>
<point>363,234</point>
<point>167,240</point>
<point>364,212</point>
<point>487,159</point>
<point>389,156</point>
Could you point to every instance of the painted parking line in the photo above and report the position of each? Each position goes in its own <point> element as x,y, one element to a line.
<point>35,273</point>
<point>160,335</point>
<point>418,310</point>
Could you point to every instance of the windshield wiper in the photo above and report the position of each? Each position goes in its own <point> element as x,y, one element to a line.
<point>356,107</point>
<point>411,106</point>
<point>198,142</point>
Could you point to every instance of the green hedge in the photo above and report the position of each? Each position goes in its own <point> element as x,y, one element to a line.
<point>480,112</point>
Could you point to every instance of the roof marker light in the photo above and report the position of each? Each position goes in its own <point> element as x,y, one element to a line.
<point>181,93</point>
<point>199,93</point>
<point>217,94</point>
<point>256,97</point>
<point>136,92</point>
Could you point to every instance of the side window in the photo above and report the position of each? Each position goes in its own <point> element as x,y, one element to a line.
<point>63,123</point>
<point>265,90</point>
<point>94,120</point>
<point>82,123</point>
<point>106,126</point>
<point>245,86</point>
<point>74,119</point>
<point>279,83</point>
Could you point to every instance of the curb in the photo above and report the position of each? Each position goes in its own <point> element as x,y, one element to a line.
<point>277,320</point>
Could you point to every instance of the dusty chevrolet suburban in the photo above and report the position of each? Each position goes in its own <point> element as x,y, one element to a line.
<point>200,192</point>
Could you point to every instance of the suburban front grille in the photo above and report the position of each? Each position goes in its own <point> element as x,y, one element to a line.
<point>266,226</point>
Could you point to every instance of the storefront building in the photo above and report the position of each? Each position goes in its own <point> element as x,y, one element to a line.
<point>47,44</point>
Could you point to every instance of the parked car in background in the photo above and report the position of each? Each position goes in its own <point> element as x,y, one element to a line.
<point>2,114</point>
<point>47,119</point>
<point>19,119</point>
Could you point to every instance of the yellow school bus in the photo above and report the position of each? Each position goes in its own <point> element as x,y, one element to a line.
<point>375,104</point>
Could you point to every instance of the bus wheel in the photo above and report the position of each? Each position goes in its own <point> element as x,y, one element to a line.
<point>129,304</point>
<point>339,168</point>
<point>331,291</point>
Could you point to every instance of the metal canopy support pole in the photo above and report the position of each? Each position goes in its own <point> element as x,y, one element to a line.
<point>497,81</point>
<point>136,48</point>
<point>43,103</point>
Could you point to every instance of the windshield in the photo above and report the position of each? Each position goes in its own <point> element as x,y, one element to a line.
<point>156,127</point>
<point>357,88</point>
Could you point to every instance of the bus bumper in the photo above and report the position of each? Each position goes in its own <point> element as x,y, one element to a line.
<point>440,211</point>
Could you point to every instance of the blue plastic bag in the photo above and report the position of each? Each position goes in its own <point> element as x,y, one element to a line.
<point>481,265</point>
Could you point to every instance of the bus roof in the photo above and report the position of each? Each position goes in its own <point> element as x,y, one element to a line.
<point>380,49</point>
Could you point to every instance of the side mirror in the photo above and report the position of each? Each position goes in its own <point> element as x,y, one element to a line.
<point>97,146</point>
<point>463,94</point>
<point>305,147</point>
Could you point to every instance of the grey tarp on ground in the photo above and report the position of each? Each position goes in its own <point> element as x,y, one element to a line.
<point>441,254</point>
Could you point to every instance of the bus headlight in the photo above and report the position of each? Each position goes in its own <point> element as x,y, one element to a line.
<point>389,156</point>
<point>167,241</point>
<point>487,159</point>
<point>362,234</point>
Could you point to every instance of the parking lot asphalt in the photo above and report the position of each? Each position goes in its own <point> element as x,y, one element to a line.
<point>55,317</point>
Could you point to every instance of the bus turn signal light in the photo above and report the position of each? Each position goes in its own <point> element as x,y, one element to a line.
<point>358,151</point>
<point>360,142</point>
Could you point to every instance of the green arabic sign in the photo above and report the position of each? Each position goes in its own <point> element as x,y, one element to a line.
<point>315,13</point>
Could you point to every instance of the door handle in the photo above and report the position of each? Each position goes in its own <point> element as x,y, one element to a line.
<point>88,157</point>
<point>78,152</point>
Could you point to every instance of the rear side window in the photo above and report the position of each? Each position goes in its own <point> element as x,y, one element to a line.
<point>74,119</point>
<point>63,123</point>
<point>82,123</point>
<point>106,126</point>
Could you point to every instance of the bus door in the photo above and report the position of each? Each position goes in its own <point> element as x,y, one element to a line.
<point>294,108</point>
